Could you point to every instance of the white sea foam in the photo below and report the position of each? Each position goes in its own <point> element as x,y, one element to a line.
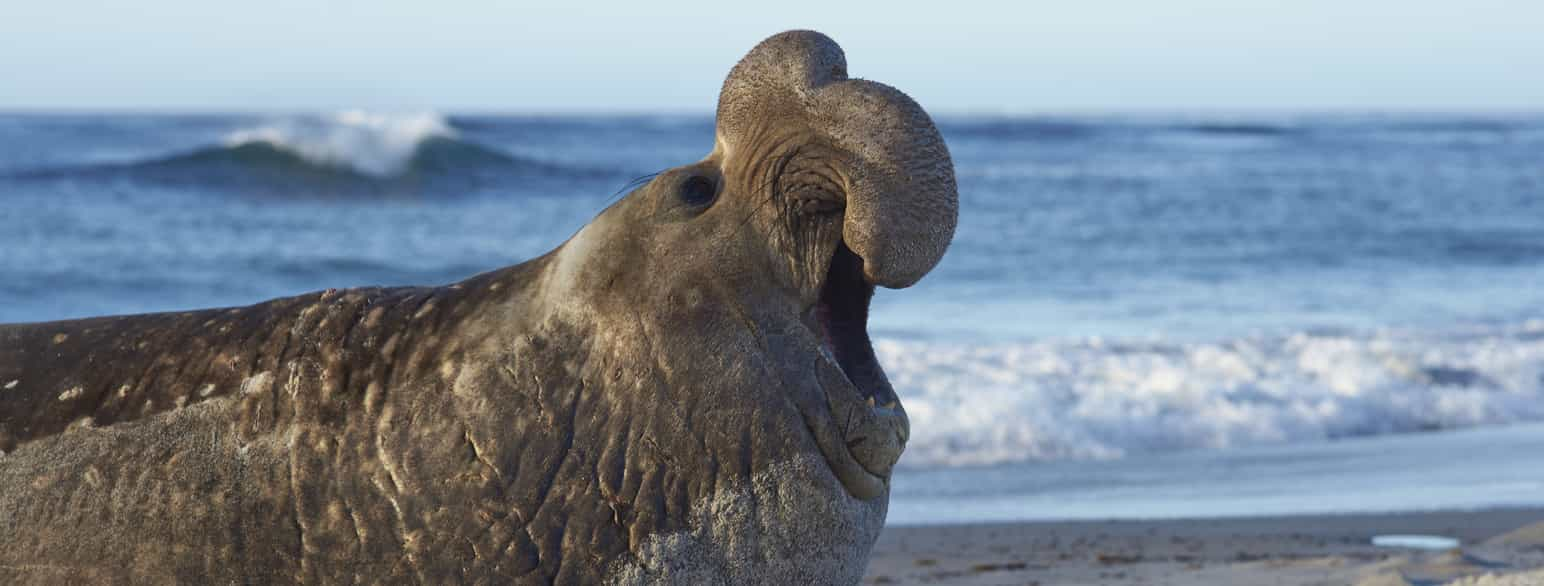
<point>989,403</point>
<point>375,144</point>
<point>1434,542</point>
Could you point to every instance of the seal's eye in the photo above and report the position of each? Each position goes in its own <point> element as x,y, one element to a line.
<point>698,190</point>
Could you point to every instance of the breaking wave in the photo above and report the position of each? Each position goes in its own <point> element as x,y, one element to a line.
<point>349,152</point>
<point>375,145</point>
<point>991,403</point>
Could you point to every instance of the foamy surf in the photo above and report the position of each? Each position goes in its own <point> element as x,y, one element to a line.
<point>375,144</point>
<point>990,403</point>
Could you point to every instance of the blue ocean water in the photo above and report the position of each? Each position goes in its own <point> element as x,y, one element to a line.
<point>1123,289</point>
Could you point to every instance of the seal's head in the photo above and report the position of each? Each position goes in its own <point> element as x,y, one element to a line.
<point>819,188</point>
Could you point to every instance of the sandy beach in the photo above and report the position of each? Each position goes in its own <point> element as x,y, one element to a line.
<point>1498,547</point>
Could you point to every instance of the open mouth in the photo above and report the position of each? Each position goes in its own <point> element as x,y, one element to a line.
<point>867,427</point>
<point>842,313</point>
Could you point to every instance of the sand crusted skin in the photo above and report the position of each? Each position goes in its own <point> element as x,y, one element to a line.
<point>646,404</point>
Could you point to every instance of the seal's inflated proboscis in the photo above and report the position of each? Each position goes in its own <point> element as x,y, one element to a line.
<point>682,392</point>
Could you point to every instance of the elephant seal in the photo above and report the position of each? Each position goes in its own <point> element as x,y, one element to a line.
<point>683,392</point>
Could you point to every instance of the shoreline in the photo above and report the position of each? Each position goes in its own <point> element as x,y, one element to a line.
<point>1243,551</point>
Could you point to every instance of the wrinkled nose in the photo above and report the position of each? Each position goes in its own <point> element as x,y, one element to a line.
<point>902,201</point>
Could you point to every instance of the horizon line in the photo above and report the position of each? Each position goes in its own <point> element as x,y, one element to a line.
<point>709,112</point>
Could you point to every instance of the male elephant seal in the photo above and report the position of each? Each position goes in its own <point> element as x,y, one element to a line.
<point>682,392</point>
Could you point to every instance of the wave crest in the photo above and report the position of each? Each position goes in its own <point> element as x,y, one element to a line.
<point>378,145</point>
<point>350,153</point>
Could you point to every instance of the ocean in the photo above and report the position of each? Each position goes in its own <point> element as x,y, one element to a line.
<point>1141,315</point>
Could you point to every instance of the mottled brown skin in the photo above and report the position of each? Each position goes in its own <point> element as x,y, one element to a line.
<point>658,400</point>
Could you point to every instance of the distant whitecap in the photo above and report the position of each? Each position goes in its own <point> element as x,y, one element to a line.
<point>376,144</point>
<point>1436,542</point>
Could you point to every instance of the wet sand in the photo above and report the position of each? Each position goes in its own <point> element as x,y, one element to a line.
<point>1499,547</point>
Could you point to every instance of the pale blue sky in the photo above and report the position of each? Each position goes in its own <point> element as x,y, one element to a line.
<point>953,56</point>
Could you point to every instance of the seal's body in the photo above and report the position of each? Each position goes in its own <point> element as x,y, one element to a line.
<point>683,392</point>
